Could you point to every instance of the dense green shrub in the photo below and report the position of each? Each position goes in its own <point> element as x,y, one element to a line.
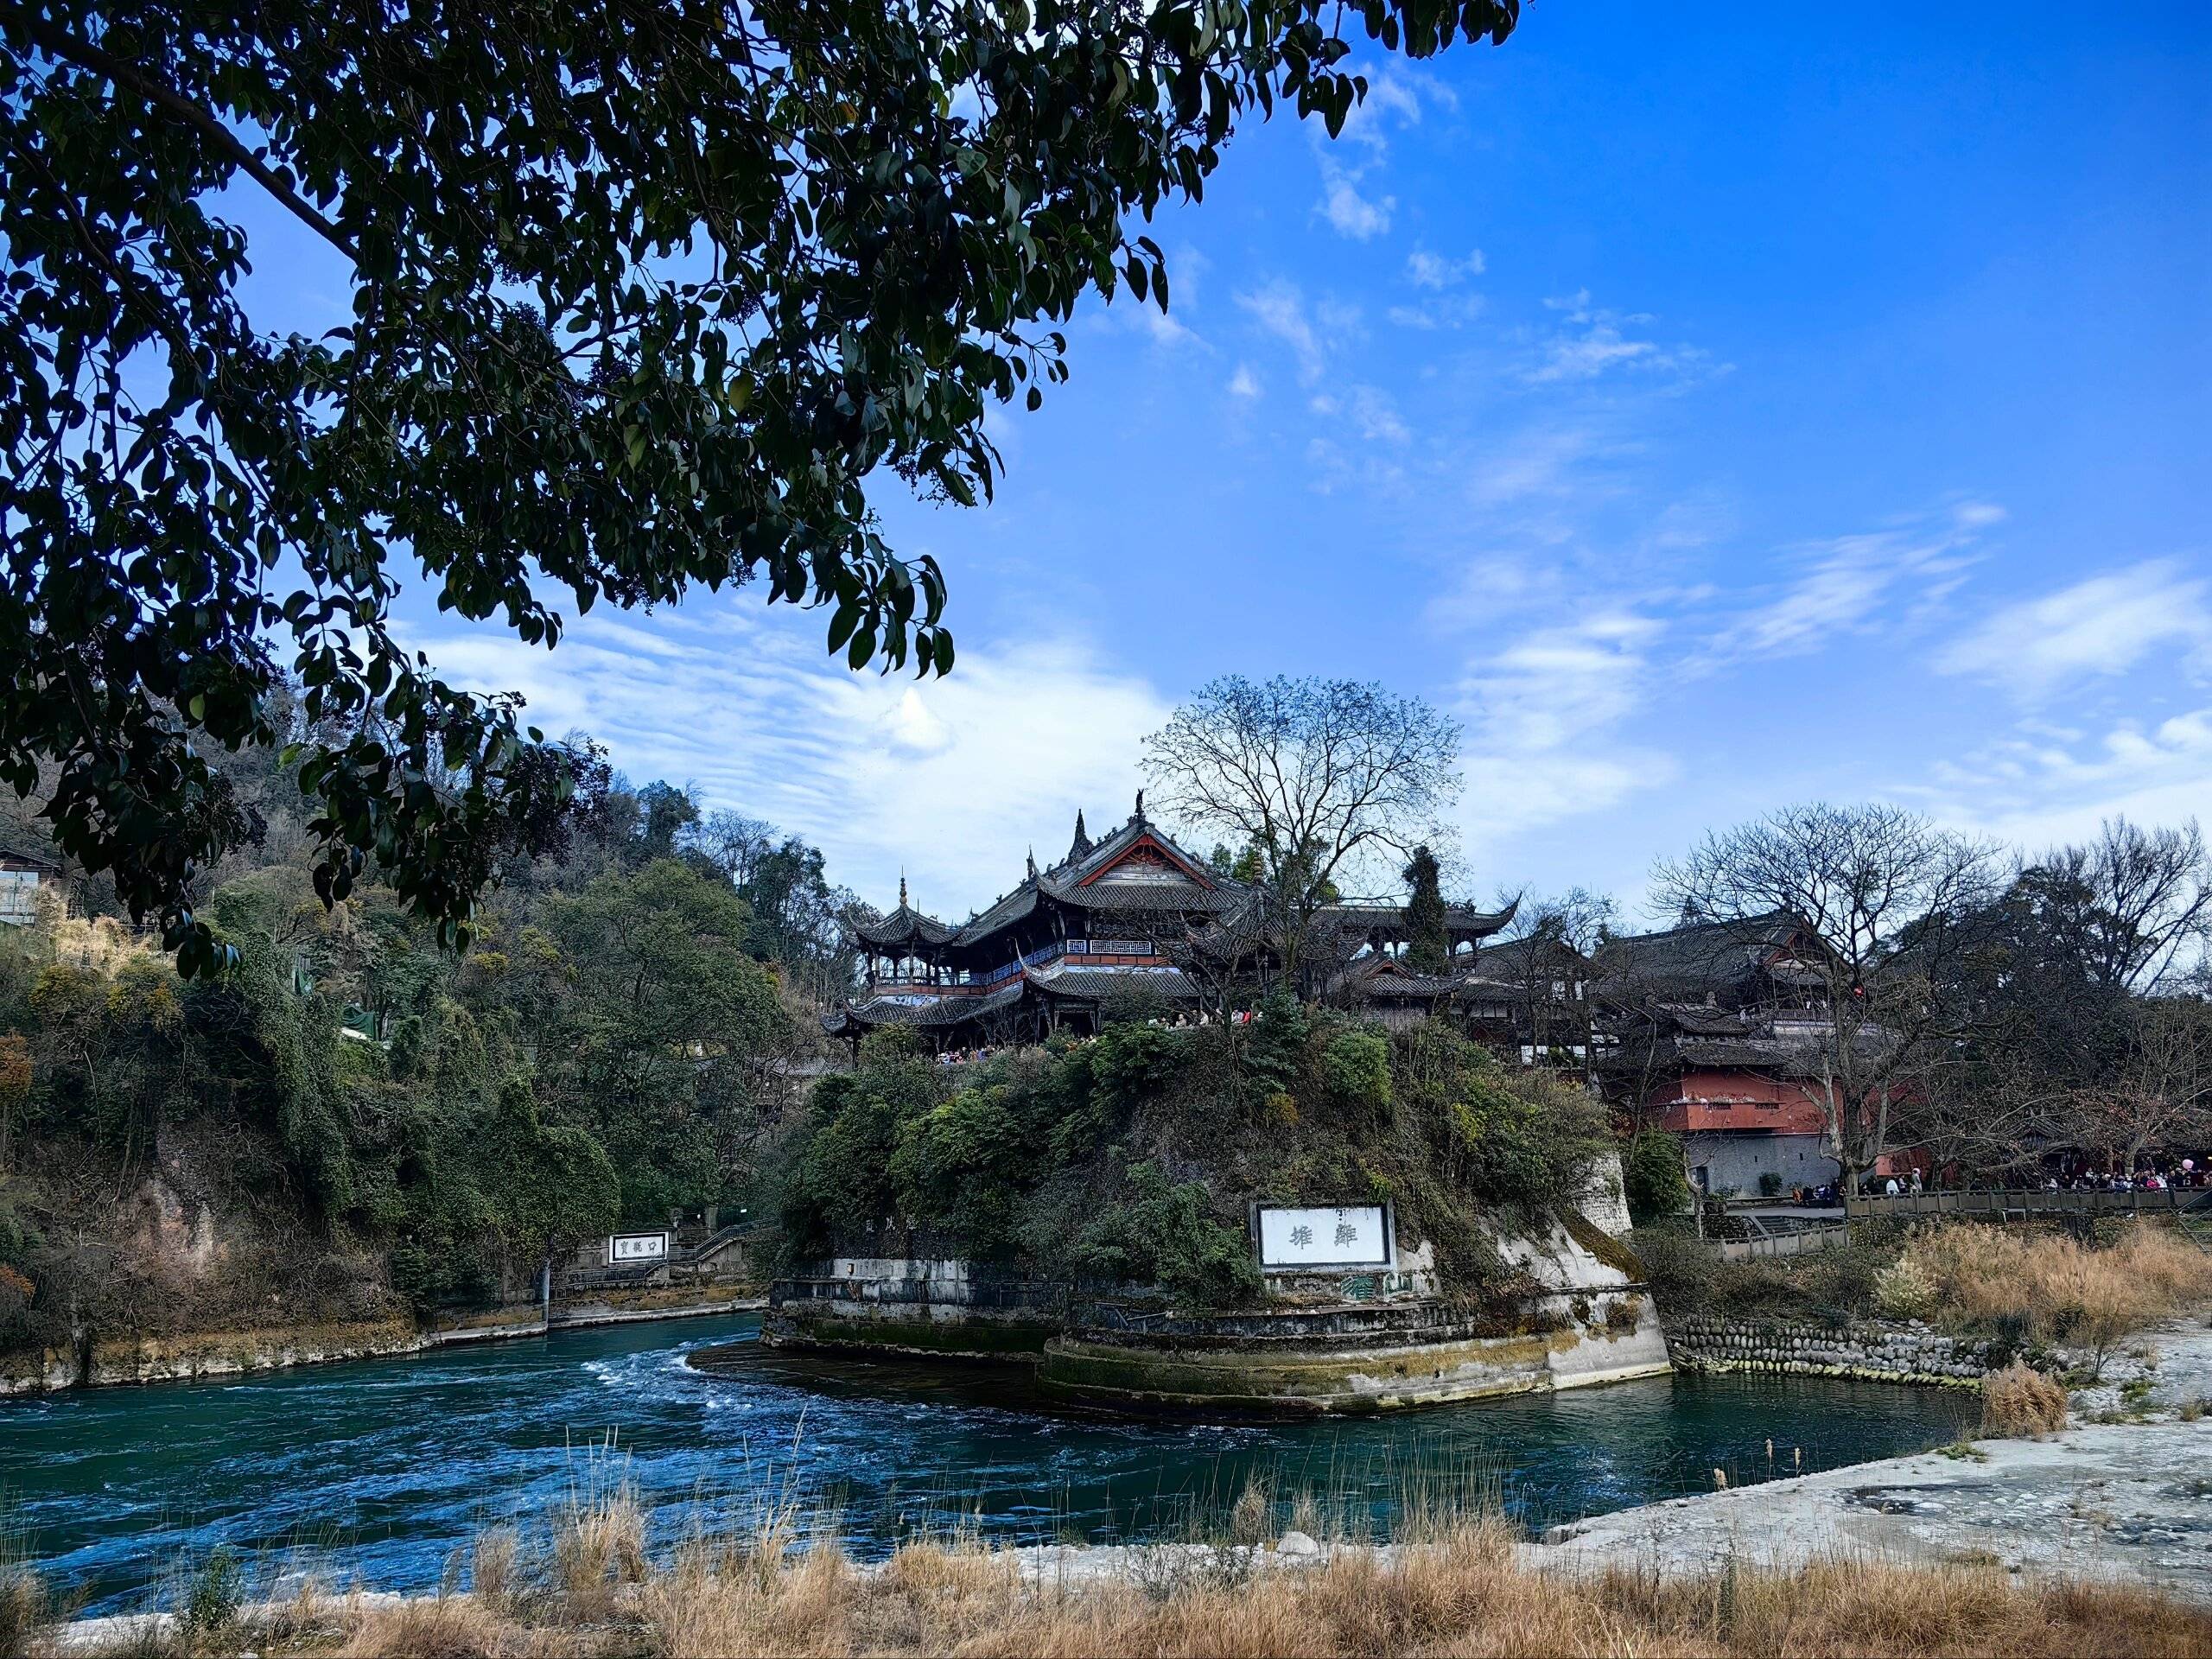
<point>1275,1045</point>
<point>1163,1232</point>
<point>1131,1062</point>
<point>961,1165</point>
<point>1652,1178</point>
<point>1356,1066</point>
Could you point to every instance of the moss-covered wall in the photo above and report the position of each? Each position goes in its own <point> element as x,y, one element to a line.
<point>880,1329</point>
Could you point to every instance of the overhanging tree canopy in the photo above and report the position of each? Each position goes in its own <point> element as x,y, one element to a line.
<point>643,296</point>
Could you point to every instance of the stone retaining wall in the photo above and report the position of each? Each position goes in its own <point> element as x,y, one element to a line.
<point>102,1361</point>
<point>1350,1360</point>
<point>1876,1350</point>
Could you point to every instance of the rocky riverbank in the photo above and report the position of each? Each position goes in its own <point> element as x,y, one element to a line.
<point>2125,1496</point>
<point>110,1362</point>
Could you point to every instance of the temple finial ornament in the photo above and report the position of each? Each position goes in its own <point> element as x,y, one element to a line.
<point>1032,864</point>
<point>1081,842</point>
<point>1139,806</point>
<point>902,889</point>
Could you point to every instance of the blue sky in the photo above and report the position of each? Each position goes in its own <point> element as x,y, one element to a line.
<point>1711,408</point>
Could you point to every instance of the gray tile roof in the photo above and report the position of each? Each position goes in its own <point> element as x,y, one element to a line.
<point>1096,984</point>
<point>902,927</point>
<point>876,1011</point>
<point>1701,956</point>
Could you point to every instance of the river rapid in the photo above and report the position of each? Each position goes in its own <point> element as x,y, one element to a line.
<point>379,1473</point>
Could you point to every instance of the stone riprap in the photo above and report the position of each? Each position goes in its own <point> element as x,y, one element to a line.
<point>1873,1351</point>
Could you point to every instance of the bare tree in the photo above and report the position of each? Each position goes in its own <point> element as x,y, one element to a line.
<point>2150,892</point>
<point>1979,1113</point>
<point>1557,937</point>
<point>734,842</point>
<point>1324,779</point>
<point>1888,901</point>
<point>2163,1094</point>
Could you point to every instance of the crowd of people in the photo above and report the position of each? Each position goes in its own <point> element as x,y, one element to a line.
<point>2152,1175</point>
<point>2182,1175</point>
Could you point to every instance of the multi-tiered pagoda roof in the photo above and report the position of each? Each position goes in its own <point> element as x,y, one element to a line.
<point>1126,915</point>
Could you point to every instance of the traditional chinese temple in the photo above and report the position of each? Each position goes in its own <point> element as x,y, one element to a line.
<point>1717,1029</point>
<point>1130,917</point>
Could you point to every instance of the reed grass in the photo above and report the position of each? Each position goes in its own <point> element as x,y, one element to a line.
<point>1467,1588</point>
<point>2048,1288</point>
<point>2021,1403</point>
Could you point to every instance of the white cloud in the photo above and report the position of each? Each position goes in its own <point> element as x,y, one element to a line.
<point>1592,342</point>
<point>2043,785</point>
<point>1542,716</point>
<point>952,779</point>
<point>1377,417</point>
<point>1444,301</point>
<point>1434,271</point>
<point>1281,310</point>
<point>1540,461</point>
<point>1848,582</point>
<point>1359,217</point>
<point>1395,97</point>
<point>1244,382</point>
<point>1187,268</point>
<point>2104,625</point>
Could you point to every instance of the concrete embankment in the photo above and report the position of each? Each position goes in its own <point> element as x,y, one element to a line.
<point>108,1362</point>
<point>1357,1359</point>
<point>1351,1342</point>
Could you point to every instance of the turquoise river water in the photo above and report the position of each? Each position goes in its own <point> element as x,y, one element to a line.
<point>379,1472</point>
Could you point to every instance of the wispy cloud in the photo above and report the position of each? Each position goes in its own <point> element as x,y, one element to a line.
<point>1377,417</point>
<point>1396,100</point>
<point>1434,271</point>
<point>2099,627</point>
<point>1542,460</point>
<point>1170,328</point>
<point>1543,715</point>
<point>1442,298</point>
<point>1244,384</point>
<point>950,780</point>
<point>1314,332</point>
<point>1279,309</point>
<point>1350,213</point>
<point>1589,342</point>
<point>2044,785</point>
<point>1847,583</point>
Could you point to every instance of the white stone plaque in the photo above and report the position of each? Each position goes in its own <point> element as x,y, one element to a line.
<point>636,1247</point>
<point>1353,1235</point>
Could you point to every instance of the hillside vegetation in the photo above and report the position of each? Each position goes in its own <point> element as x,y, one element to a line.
<point>1131,1157</point>
<point>353,1121</point>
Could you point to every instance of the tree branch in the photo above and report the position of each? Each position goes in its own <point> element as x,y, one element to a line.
<point>98,61</point>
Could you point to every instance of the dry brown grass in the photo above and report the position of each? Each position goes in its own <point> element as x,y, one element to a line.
<point>22,1605</point>
<point>492,1567</point>
<point>2050,1289</point>
<point>599,1544</point>
<point>2021,1403</point>
<point>1466,1591</point>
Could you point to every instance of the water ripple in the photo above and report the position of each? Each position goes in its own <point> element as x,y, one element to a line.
<point>380,1470</point>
